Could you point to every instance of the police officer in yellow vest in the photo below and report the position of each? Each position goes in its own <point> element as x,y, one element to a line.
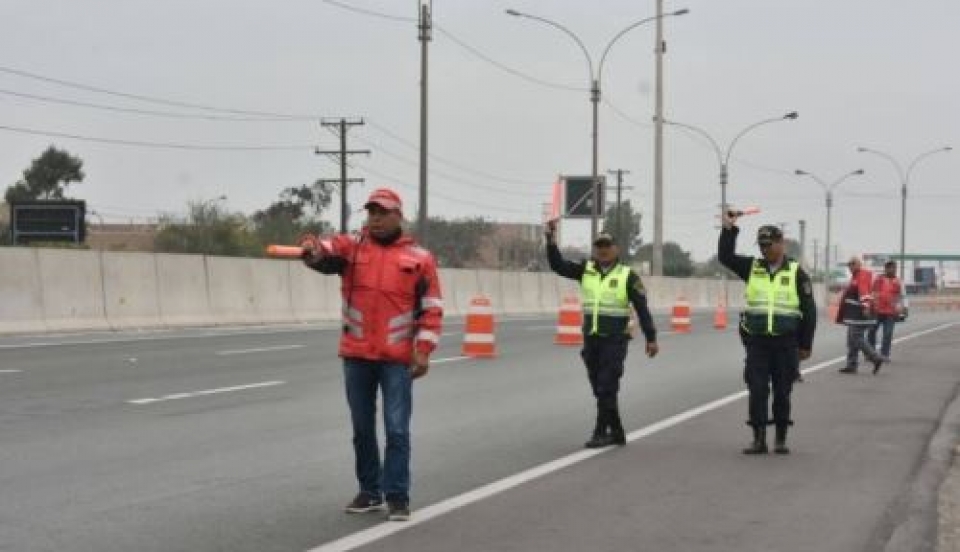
<point>608,289</point>
<point>777,326</point>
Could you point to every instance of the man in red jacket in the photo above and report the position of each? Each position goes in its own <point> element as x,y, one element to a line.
<point>887,301</point>
<point>856,312</point>
<point>392,311</point>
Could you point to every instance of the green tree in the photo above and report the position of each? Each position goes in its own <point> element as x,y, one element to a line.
<point>457,242</point>
<point>295,213</point>
<point>676,261</point>
<point>47,177</point>
<point>628,232</point>
<point>208,229</point>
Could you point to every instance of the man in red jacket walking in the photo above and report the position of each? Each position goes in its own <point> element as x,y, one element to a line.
<point>392,312</point>
<point>887,299</point>
<point>856,312</point>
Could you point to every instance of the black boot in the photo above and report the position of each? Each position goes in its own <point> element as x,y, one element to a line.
<point>759,444</point>
<point>780,444</point>
<point>599,439</point>
<point>617,435</point>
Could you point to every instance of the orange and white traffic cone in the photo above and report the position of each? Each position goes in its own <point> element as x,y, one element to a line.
<point>569,325</point>
<point>478,338</point>
<point>680,318</point>
<point>720,317</point>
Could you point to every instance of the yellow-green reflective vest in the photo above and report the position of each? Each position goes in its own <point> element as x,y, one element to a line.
<point>773,304</point>
<point>606,306</point>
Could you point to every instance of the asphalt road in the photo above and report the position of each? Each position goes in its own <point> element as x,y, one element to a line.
<point>238,440</point>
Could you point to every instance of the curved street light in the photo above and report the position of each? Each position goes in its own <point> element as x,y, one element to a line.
<point>594,79</point>
<point>904,181</point>
<point>723,159</point>
<point>828,190</point>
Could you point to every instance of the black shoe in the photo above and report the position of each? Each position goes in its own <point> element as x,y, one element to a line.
<point>759,444</point>
<point>780,442</point>
<point>848,370</point>
<point>398,511</point>
<point>599,441</point>
<point>364,503</point>
<point>617,437</point>
<point>876,364</point>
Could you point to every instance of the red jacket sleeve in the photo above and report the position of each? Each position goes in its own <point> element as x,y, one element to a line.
<point>430,323</point>
<point>864,282</point>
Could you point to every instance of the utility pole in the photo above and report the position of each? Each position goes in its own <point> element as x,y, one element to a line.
<point>340,128</point>
<point>816,256</point>
<point>656,258</point>
<point>616,217</point>
<point>425,25</point>
<point>803,241</point>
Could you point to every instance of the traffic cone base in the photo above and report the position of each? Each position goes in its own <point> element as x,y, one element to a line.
<point>570,322</point>
<point>478,338</point>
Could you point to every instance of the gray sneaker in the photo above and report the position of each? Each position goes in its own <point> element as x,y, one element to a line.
<point>364,503</point>
<point>398,511</point>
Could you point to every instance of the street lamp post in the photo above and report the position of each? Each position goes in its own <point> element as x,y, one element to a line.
<point>594,79</point>
<point>723,159</point>
<point>904,181</point>
<point>828,190</point>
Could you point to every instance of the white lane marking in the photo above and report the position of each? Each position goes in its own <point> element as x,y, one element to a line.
<point>177,396</point>
<point>259,350</point>
<point>450,359</point>
<point>378,532</point>
<point>10,371</point>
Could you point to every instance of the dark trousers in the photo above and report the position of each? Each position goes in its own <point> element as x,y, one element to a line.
<point>771,362</point>
<point>603,357</point>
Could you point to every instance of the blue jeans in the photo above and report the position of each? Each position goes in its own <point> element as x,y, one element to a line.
<point>885,321</point>
<point>362,378</point>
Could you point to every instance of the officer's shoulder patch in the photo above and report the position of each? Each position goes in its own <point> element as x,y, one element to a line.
<point>784,280</point>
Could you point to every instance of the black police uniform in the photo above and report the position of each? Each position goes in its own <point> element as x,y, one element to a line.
<point>604,354</point>
<point>771,359</point>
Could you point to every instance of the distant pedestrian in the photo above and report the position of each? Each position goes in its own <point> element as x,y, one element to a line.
<point>392,311</point>
<point>856,312</point>
<point>609,288</point>
<point>888,303</point>
<point>776,327</point>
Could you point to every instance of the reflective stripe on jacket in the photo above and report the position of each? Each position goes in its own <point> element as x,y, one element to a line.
<point>606,307</point>
<point>773,304</point>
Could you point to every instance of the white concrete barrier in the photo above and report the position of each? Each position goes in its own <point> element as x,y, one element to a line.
<point>72,283</point>
<point>21,295</point>
<point>461,286</point>
<point>53,290</point>
<point>130,289</point>
<point>489,285</point>
<point>521,292</point>
<point>233,295</point>
<point>315,296</point>
<point>271,290</point>
<point>182,288</point>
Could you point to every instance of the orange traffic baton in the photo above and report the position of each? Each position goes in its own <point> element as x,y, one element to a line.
<point>570,323</point>
<point>478,338</point>
<point>680,319</point>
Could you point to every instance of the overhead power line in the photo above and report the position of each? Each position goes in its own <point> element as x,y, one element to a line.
<point>169,114</point>
<point>148,144</point>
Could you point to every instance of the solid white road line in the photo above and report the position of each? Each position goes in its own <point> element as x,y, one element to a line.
<point>450,359</point>
<point>218,391</point>
<point>259,350</point>
<point>10,371</point>
<point>386,529</point>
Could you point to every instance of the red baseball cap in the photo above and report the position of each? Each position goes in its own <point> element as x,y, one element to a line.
<point>386,198</point>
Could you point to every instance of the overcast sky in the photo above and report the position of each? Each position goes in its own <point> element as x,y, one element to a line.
<point>509,109</point>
